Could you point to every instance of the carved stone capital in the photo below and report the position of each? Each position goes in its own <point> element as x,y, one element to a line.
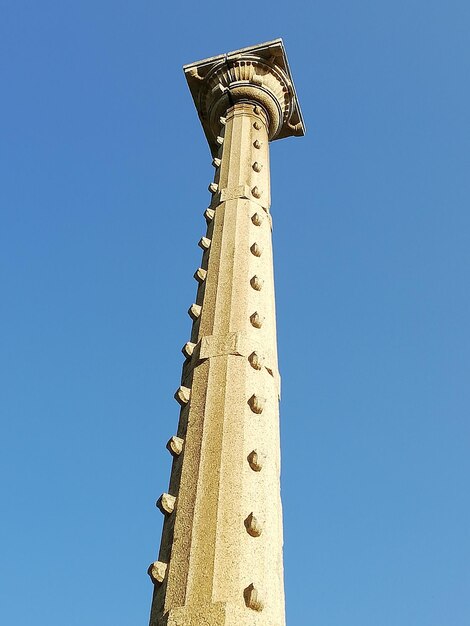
<point>258,74</point>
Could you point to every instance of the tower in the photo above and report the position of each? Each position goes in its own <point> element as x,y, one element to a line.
<point>220,559</point>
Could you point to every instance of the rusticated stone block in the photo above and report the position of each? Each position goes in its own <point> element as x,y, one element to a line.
<point>256,250</point>
<point>256,460</point>
<point>257,404</point>
<point>257,219</point>
<point>194,311</point>
<point>256,319</point>
<point>157,571</point>
<point>257,283</point>
<point>166,503</point>
<point>204,243</point>
<point>188,349</point>
<point>256,360</point>
<point>175,445</point>
<point>253,599</point>
<point>253,525</point>
<point>183,395</point>
<point>209,215</point>
<point>200,275</point>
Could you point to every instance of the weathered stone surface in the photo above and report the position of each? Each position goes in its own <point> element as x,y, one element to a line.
<point>222,537</point>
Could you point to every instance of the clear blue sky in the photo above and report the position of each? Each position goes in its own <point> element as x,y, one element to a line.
<point>98,245</point>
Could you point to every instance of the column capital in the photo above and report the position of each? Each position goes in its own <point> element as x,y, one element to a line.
<point>258,74</point>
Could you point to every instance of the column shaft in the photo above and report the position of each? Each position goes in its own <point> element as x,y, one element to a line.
<point>223,541</point>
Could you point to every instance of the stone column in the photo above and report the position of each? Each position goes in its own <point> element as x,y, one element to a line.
<point>220,560</point>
